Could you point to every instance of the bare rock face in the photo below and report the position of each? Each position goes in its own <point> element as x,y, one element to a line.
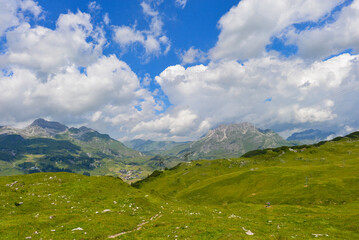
<point>41,127</point>
<point>55,126</point>
<point>91,142</point>
<point>234,140</point>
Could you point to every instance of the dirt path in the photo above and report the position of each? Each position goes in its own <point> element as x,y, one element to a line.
<point>138,227</point>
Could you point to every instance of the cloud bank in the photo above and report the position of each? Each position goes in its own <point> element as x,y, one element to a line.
<point>63,73</point>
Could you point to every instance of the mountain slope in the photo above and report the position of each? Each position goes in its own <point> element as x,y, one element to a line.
<point>46,146</point>
<point>310,135</point>
<point>92,142</point>
<point>229,141</point>
<point>312,192</point>
<point>152,147</point>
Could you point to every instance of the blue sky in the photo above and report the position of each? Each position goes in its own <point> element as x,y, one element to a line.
<point>174,69</point>
<point>197,19</point>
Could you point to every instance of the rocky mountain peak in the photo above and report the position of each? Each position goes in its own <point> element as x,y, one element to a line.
<point>234,139</point>
<point>42,123</point>
<point>44,128</point>
<point>223,131</point>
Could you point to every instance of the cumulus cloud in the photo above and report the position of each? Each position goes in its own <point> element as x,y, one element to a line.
<point>332,38</point>
<point>12,12</point>
<point>107,81</point>
<point>153,40</point>
<point>181,3</point>
<point>62,74</point>
<point>248,27</point>
<point>193,55</point>
<point>225,92</point>
<point>48,51</point>
<point>180,124</point>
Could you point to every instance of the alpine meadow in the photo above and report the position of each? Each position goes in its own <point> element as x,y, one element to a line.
<point>179,119</point>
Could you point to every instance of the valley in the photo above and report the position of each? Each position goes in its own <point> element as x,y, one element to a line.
<point>298,192</point>
<point>48,146</point>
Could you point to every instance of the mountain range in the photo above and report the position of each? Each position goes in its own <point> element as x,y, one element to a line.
<point>94,142</point>
<point>45,146</point>
<point>298,192</point>
<point>152,147</point>
<point>224,141</point>
<point>310,136</point>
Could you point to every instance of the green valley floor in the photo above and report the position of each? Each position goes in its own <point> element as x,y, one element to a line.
<point>306,192</point>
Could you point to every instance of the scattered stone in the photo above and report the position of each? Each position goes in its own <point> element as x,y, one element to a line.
<point>319,235</point>
<point>77,229</point>
<point>106,210</point>
<point>12,184</point>
<point>248,232</point>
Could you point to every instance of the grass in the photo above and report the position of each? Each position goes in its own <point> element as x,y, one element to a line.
<point>313,193</point>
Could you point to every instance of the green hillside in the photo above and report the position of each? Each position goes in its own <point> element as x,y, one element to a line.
<point>54,205</point>
<point>313,193</point>
<point>228,141</point>
<point>46,146</point>
<point>277,175</point>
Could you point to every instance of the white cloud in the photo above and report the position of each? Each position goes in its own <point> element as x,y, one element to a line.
<point>313,114</point>
<point>301,93</point>
<point>106,19</point>
<point>11,12</point>
<point>96,116</point>
<point>49,51</point>
<point>174,125</point>
<point>108,80</point>
<point>193,55</point>
<point>61,74</point>
<point>148,10</point>
<point>181,3</point>
<point>125,36</point>
<point>93,6</point>
<point>154,41</point>
<point>248,27</point>
<point>332,38</point>
<point>31,6</point>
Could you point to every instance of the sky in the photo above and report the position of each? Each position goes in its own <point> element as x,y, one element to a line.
<point>172,70</point>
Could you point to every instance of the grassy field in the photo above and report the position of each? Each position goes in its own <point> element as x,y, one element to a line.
<point>313,193</point>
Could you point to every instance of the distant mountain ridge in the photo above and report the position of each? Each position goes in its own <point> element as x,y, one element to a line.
<point>234,140</point>
<point>52,146</point>
<point>50,125</point>
<point>231,140</point>
<point>313,135</point>
<point>152,147</point>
